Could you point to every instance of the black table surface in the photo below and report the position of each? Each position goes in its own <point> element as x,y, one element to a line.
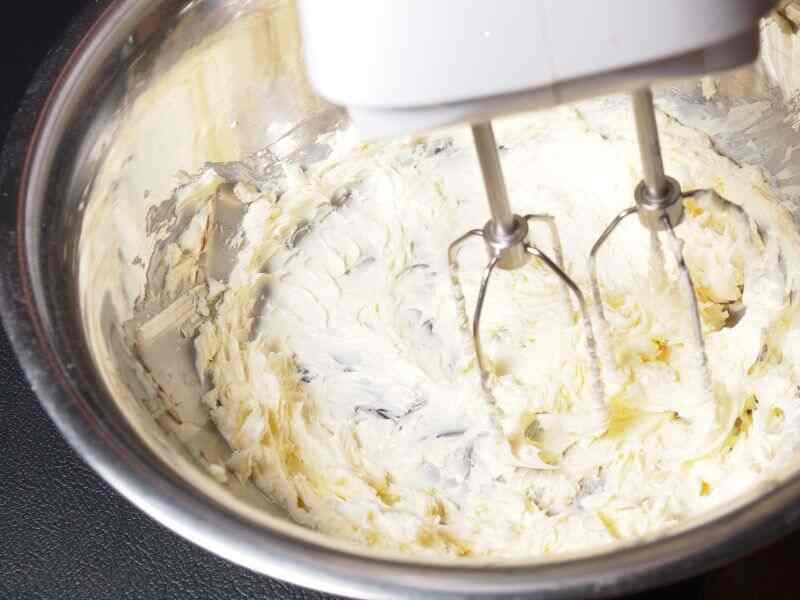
<point>65,534</point>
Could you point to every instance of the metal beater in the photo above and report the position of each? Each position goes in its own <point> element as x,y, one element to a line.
<point>659,204</point>
<point>508,246</point>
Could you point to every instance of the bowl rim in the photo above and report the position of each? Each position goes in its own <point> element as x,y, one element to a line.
<point>219,529</point>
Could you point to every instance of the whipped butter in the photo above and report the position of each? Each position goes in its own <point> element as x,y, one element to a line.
<point>335,363</point>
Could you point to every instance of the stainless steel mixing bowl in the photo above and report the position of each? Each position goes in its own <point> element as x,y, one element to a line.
<point>66,133</point>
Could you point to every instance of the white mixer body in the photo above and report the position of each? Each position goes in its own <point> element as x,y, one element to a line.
<point>407,65</point>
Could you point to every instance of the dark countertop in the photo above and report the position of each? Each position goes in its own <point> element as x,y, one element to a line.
<point>65,534</point>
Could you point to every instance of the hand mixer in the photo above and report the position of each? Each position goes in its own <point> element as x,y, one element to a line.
<point>411,65</point>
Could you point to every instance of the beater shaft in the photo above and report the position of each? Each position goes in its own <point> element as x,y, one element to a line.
<point>496,192</point>
<point>649,144</point>
<point>503,234</point>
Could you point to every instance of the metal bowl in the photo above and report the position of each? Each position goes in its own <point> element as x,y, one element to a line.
<point>84,101</point>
